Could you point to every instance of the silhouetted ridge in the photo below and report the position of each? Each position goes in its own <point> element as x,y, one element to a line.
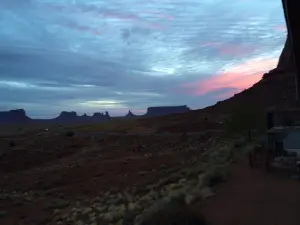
<point>14,116</point>
<point>285,61</point>
<point>275,90</point>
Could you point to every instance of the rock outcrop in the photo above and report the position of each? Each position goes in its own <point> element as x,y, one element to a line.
<point>107,115</point>
<point>14,116</point>
<point>72,117</point>
<point>67,116</point>
<point>285,62</point>
<point>165,110</point>
<point>98,115</point>
<point>130,115</point>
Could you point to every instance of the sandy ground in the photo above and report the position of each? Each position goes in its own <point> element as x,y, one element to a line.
<point>41,171</point>
<point>252,197</point>
<point>40,174</point>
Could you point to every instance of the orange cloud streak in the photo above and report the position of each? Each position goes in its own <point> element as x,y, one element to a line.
<point>238,77</point>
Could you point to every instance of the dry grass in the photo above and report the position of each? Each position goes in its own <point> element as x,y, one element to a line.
<point>178,188</point>
<point>123,126</point>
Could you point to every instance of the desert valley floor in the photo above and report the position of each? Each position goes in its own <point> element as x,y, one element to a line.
<point>48,177</point>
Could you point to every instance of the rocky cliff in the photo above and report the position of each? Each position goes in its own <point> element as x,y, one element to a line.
<point>285,62</point>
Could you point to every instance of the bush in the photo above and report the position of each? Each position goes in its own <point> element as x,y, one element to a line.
<point>173,213</point>
<point>246,118</point>
<point>12,143</point>
<point>70,133</point>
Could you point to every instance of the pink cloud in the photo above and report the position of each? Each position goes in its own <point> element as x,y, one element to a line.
<point>280,28</point>
<point>225,95</point>
<point>93,9</point>
<point>211,44</point>
<point>237,77</point>
<point>229,49</point>
<point>139,111</point>
<point>235,50</point>
<point>84,28</point>
<point>96,11</point>
<point>159,15</point>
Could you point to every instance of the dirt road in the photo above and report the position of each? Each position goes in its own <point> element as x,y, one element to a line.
<point>252,197</point>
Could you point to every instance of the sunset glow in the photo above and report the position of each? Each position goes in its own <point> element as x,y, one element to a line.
<point>237,77</point>
<point>90,56</point>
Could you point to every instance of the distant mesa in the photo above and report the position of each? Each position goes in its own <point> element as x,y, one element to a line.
<point>71,117</point>
<point>67,116</point>
<point>166,110</point>
<point>160,111</point>
<point>14,116</point>
<point>98,115</point>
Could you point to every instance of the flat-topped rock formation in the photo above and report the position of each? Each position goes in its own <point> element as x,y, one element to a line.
<point>67,116</point>
<point>166,110</point>
<point>13,116</point>
<point>98,115</point>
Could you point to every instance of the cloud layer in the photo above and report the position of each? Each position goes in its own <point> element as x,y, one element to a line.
<point>114,55</point>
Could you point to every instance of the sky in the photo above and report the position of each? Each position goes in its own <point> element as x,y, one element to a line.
<point>114,55</point>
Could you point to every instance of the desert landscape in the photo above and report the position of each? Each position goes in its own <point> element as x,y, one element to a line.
<point>119,172</point>
<point>132,112</point>
<point>86,179</point>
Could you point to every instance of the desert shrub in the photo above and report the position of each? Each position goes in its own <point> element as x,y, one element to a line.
<point>3,213</point>
<point>69,133</point>
<point>58,203</point>
<point>245,118</point>
<point>12,143</point>
<point>175,214</point>
<point>216,176</point>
